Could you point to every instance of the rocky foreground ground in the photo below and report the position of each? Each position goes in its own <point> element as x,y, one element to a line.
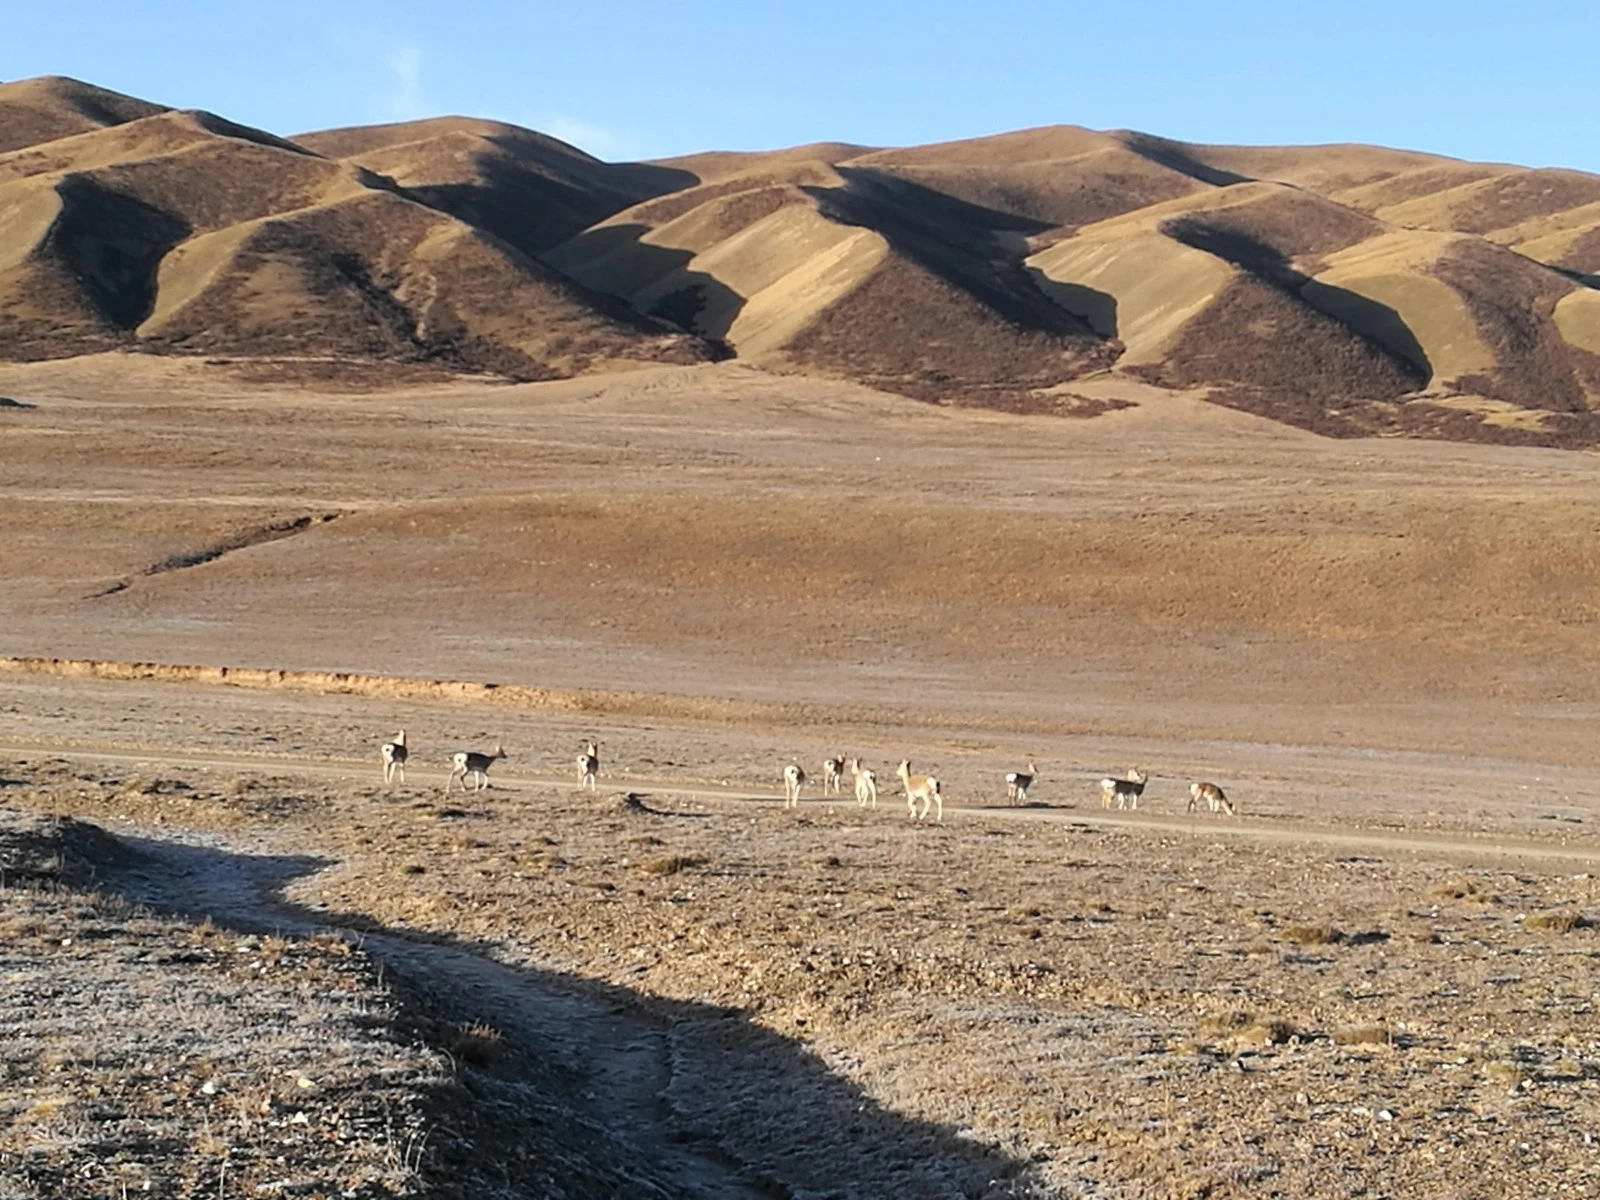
<point>370,988</point>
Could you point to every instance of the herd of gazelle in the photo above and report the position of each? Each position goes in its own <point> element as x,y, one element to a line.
<point>476,764</point>
<point>1123,792</point>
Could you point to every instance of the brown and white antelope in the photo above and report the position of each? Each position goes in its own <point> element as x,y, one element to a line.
<point>589,765</point>
<point>1018,783</point>
<point>866,784</point>
<point>832,774</point>
<point>470,762</point>
<point>1125,792</point>
<point>394,758</point>
<point>794,778</point>
<point>1212,796</point>
<point>925,787</point>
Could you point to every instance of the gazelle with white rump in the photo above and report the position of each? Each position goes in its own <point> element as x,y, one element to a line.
<point>394,758</point>
<point>923,787</point>
<point>589,765</point>
<point>832,774</point>
<point>470,762</point>
<point>1018,783</point>
<point>794,778</point>
<point>866,784</point>
<point>1125,792</point>
<point>1210,795</point>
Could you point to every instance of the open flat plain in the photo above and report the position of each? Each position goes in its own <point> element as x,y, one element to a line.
<point>1377,980</point>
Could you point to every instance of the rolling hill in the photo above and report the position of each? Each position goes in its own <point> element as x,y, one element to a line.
<point>1353,290</point>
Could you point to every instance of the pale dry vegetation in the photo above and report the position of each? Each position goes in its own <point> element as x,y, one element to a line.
<point>1189,1016</point>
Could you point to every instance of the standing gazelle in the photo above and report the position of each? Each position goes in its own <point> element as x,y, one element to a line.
<point>1018,783</point>
<point>470,762</point>
<point>1125,792</point>
<point>866,784</point>
<point>394,758</point>
<point>924,786</point>
<point>794,778</point>
<point>589,765</point>
<point>1212,796</point>
<point>832,774</point>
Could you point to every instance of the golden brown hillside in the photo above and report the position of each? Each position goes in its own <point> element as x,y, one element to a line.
<point>182,232</point>
<point>1348,289</point>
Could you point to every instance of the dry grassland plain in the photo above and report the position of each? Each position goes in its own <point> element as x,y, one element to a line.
<point>1378,980</point>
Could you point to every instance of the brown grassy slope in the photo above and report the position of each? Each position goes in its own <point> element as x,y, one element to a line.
<point>906,328</point>
<point>849,269</point>
<point>717,165</point>
<point>1263,335</point>
<point>529,189</point>
<point>1542,213</point>
<point>186,232</point>
<point>1322,169</point>
<point>51,106</point>
<point>1512,301</point>
<point>1499,201</point>
<point>380,276</point>
<point>79,265</point>
<point>1059,175</point>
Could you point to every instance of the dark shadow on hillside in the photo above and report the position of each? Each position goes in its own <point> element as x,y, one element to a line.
<point>535,199</point>
<point>594,1089</point>
<point>1375,322</point>
<point>953,240</point>
<point>1175,156</point>
<point>113,245</point>
<point>1095,308</point>
<point>613,257</point>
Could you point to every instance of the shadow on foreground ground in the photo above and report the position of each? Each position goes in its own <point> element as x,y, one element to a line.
<point>586,1089</point>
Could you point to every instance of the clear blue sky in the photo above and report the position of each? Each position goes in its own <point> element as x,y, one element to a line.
<point>1497,81</point>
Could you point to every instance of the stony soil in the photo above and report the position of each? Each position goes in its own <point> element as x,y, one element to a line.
<point>1047,1000</point>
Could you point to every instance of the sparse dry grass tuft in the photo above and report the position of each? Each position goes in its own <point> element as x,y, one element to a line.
<point>478,1044</point>
<point>1556,921</point>
<point>1362,1035</point>
<point>1511,1075</point>
<point>1239,1029</point>
<point>1312,935</point>
<point>1469,890</point>
<point>669,864</point>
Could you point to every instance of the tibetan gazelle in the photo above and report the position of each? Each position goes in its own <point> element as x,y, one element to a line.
<point>832,774</point>
<point>1018,783</point>
<point>1125,792</point>
<point>1211,796</point>
<point>470,762</point>
<point>925,787</point>
<point>866,784</point>
<point>794,778</point>
<point>394,758</point>
<point>589,765</point>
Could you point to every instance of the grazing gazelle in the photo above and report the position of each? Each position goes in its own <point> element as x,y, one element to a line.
<point>794,778</point>
<point>394,758</point>
<point>866,784</point>
<point>832,774</point>
<point>1125,792</point>
<point>1213,797</point>
<point>589,765</point>
<point>470,762</point>
<point>924,786</point>
<point>1018,783</point>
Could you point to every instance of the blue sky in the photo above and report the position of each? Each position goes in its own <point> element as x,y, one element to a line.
<point>1513,83</point>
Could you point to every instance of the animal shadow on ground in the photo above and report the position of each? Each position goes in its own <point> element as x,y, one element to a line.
<point>631,1094</point>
